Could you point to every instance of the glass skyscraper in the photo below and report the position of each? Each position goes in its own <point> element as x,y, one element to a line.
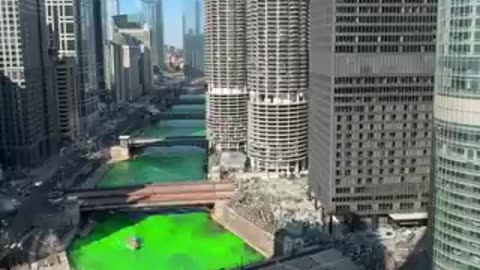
<point>193,35</point>
<point>153,16</point>
<point>457,137</point>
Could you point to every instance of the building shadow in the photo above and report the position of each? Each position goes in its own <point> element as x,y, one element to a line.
<point>420,258</point>
<point>351,237</point>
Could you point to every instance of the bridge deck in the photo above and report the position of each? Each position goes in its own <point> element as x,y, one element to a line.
<point>173,199</point>
<point>161,188</point>
<point>171,139</point>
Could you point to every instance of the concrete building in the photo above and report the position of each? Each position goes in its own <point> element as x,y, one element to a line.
<point>128,67</point>
<point>28,133</point>
<point>277,70</point>
<point>67,87</point>
<point>457,137</point>
<point>132,26</point>
<point>193,38</point>
<point>153,16</point>
<point>371,88</point>
<point>108,9</point>
<point>225,49</point>
<point>72,34</point>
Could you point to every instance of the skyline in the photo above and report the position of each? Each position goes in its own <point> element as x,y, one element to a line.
<point>172,14</point>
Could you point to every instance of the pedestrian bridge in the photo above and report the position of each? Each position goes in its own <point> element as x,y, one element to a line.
<point>179,116</point>
<point>186,194</point>
<point>129,144</point>
<point>137,142</point>
<point>190,101</point>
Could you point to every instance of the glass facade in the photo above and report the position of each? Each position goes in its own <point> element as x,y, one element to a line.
<point>193,35</point>
<point>153,16</point>
<point>457,137</point>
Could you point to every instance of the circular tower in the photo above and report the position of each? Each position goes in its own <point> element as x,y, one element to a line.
<point>225,51</point>
<point>278,39</point>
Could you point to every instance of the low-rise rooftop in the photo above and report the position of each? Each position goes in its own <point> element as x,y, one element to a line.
<point>330,259</point>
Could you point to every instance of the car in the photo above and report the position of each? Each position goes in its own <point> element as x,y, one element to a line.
<point>38,183</point>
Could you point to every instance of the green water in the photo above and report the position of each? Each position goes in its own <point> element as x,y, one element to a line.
<point>157,165</point>
<point>174,128</point>
<point>193,97</point>
<point>169,242</point>
<point>188,108</point>
<point>163,164</point>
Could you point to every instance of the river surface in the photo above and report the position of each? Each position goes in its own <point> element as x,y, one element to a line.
<point>167,242</point>
<point>189,241</point>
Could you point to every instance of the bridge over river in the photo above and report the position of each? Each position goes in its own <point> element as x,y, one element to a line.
<point>185,194</point>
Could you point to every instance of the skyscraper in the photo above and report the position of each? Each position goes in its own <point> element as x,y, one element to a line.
<point>193,38</point>
<point>371,88</point>
<point>28,132</point>
<point>277,71</point>
<point>72,34</point>
<point>225,51</point>
<point>457,137</point>
<point>108,9</point>
<point>153,15</point>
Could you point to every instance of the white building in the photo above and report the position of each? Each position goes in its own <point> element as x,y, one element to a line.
<point>128,66</point>
<point>144,35</point>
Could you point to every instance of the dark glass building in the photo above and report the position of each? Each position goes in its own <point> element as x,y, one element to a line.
<point>28,128</point>
<point>371,105</point>
<point>193,38</point>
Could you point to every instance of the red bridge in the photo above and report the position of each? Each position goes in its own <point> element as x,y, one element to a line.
<point>155,195</point>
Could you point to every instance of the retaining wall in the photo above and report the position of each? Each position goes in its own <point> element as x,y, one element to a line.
<point>260,240</point>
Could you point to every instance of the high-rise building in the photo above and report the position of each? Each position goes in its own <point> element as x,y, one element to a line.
<point>193,43</point>
<point>108,9</point>
<point>371,89</point>
<point>67,87</point>
<point>153,16</point>
<point>457,137</point>
<point>72,34</point>
<point>129,65</point>
<point>135,36</point>
<point>277,71</point>
<point>225,52</point>
<point>99,53</point>
<point>28,131</point>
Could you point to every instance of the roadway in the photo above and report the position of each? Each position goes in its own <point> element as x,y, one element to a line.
<point>199,141</point>
<point>169,195</point>
<point>163,188</point>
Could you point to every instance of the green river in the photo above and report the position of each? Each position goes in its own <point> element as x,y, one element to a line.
<point>188,241</point>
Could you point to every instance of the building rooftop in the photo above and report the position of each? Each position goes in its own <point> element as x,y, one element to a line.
<point>409,216</point>
<point>330,259</point>
<point>127,21</point>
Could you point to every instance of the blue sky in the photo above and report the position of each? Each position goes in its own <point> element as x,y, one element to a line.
<point>172,18</point>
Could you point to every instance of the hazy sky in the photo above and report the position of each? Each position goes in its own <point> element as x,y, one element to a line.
<point>172,18</point>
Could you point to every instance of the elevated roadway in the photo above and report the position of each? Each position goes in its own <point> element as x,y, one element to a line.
<point>183,101</point>
<point>179,116</point>
<point>155,195</point>
<point>198,141</point>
